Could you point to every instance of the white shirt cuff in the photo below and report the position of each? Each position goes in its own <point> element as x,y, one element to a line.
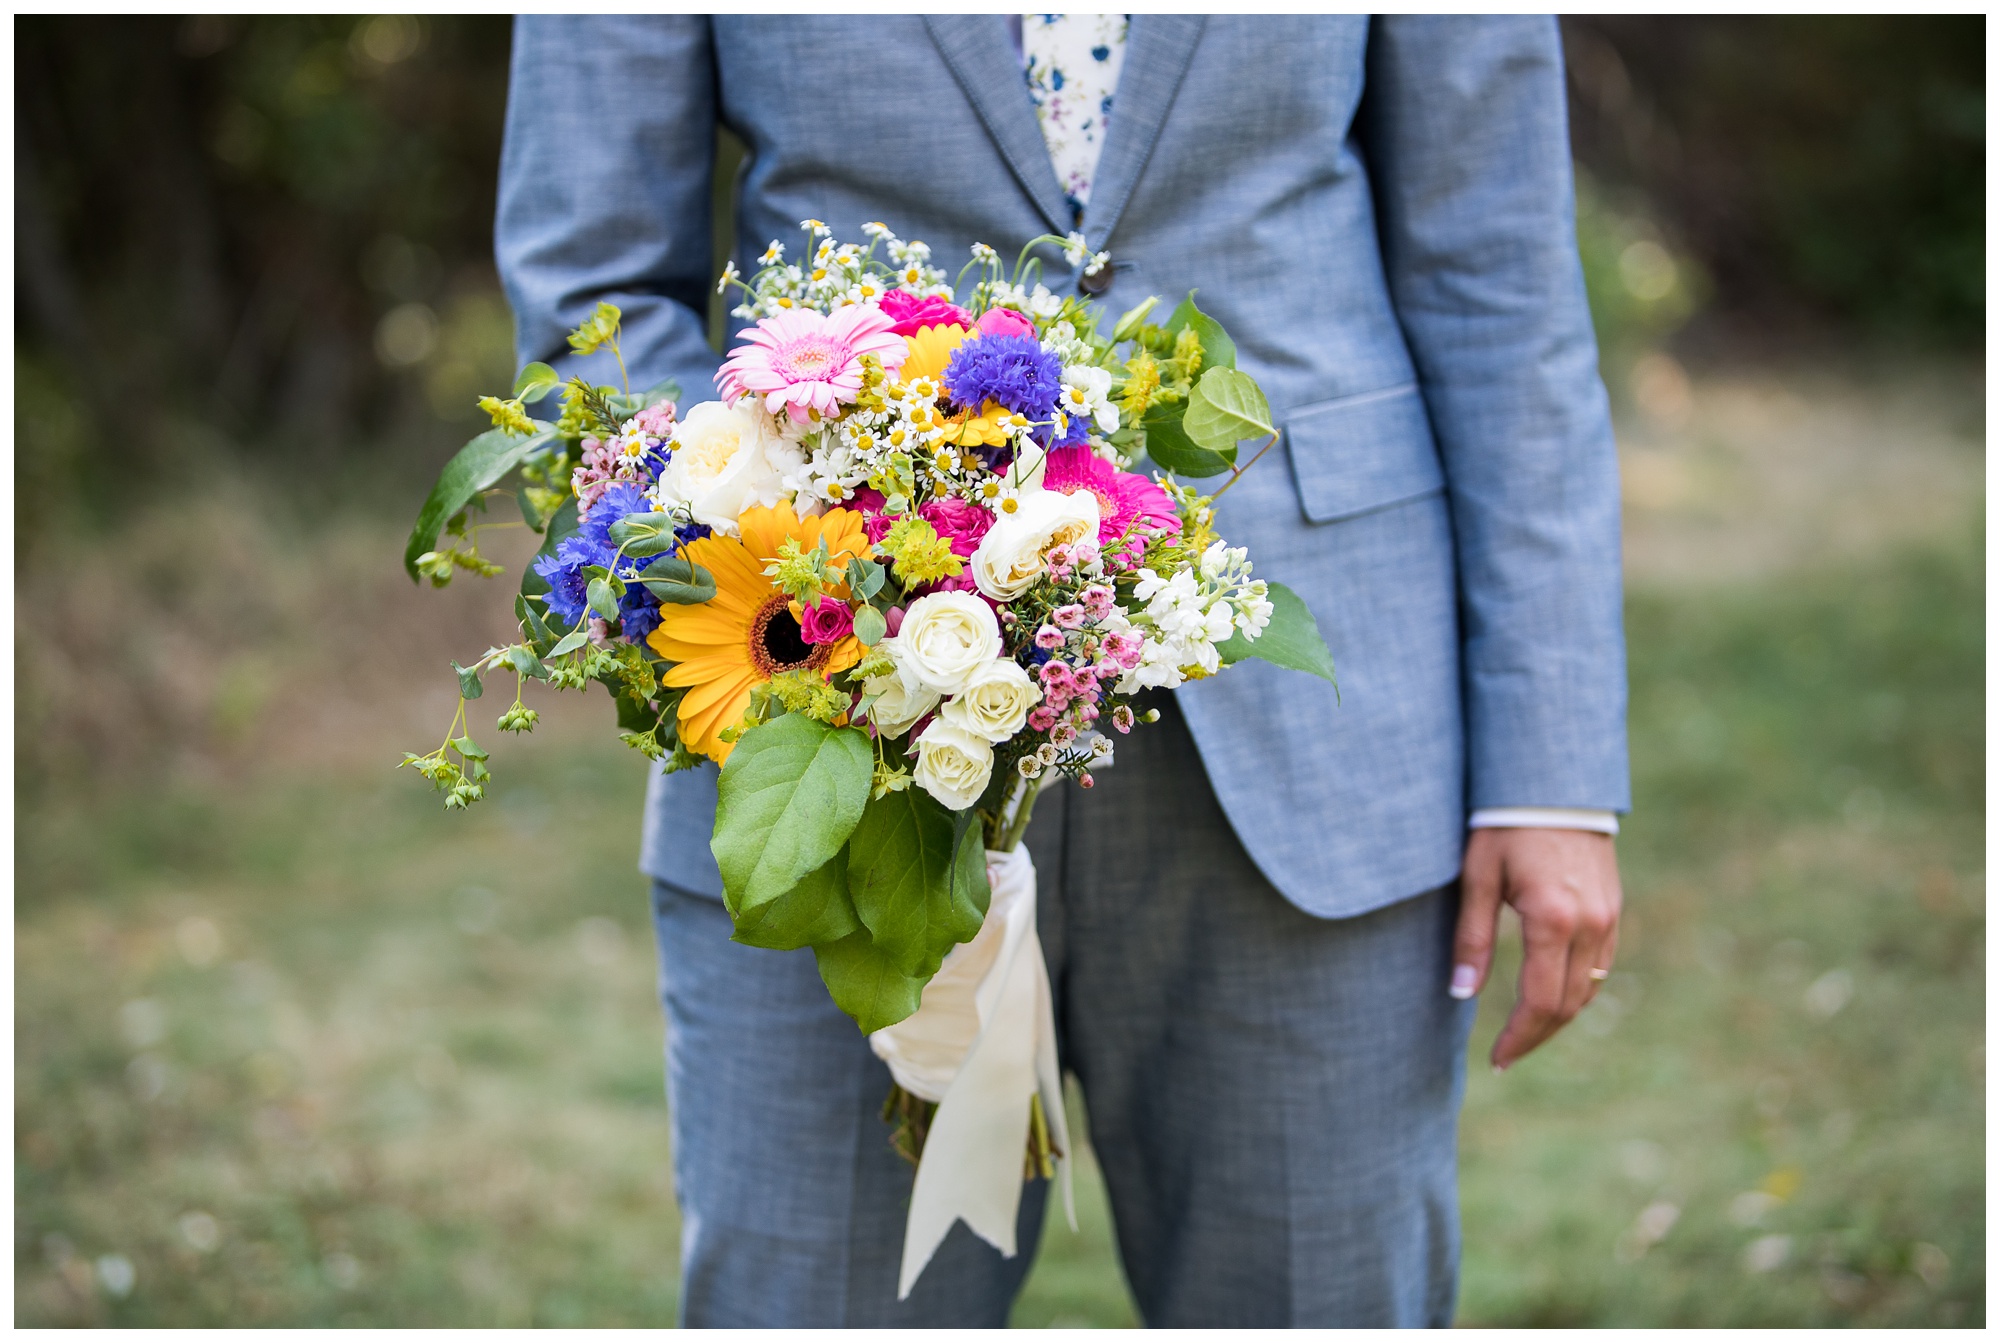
<point>1543,818</point>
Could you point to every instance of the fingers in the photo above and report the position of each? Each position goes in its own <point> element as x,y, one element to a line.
<point>1478,916</point>
<point>1564,885</point>
<point>1548,928</point>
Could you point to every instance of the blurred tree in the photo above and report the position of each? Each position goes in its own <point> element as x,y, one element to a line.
<point>278,225</point>
<point>1818,166</point>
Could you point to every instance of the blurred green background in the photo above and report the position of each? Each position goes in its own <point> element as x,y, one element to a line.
<point>293,1047</point>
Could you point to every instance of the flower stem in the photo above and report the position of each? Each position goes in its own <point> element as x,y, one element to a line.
<point>1237,473</point>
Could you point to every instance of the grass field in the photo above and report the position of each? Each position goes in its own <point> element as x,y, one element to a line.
<point>293,1047</point>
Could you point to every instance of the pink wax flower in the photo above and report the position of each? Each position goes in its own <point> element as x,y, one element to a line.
<point>912,314</point>
<point>827,621</point>
<point>1097,600</point>
<point>656,420</point>
<point>1125,502</point>
<point>1004,322</point>
<point>1063,734</point>
<point>1048,636</point>
<point>1121,717</point>
<point>958,521</point>
<point>1068,617</point>
<point>804,363</point>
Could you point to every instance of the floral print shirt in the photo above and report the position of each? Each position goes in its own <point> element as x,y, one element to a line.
<point>1072,62</point>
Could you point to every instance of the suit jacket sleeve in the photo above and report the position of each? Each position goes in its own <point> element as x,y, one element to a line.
<point>1464,129</point>
<point>605,180</point>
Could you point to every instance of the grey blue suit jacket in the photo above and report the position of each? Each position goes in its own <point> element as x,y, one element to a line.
<point>1378,210</point>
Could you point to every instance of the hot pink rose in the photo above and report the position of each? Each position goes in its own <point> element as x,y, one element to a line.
<point>912,314</point>
<point>827,621</point>
<point>1004,322</point>
<point>960,522</point>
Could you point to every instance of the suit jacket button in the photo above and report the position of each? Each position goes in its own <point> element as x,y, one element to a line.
<point>1097,282</point>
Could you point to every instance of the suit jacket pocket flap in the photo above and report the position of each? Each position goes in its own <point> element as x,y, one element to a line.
<point>1361,453</point>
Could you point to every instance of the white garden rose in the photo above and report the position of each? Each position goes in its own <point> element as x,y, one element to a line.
<point>995,702</point>
<point>953,765</point>
<point>1009,558</point>
<point>900,697</point>
<point>728,459</point>
<point>946,637</point>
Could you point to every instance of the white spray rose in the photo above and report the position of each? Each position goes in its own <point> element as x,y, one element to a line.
<point>901,698</point>
<point>953,765</point>
<point>995,703</point>
<point>728,460</point>
<point>1009,558</point>
<point>946,637</point>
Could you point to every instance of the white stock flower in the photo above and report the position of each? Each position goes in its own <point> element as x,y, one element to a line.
<point>995,702</point>
<point>953,765</point>
<point>1009,558</point>
<point>900,698</point>
<point>946,638</point>
<point>729,459</point>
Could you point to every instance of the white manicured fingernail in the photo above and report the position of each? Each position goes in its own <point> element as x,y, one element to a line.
<point>1464,979</point>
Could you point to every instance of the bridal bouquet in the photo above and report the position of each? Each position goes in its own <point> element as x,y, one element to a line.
<point>895,580</point>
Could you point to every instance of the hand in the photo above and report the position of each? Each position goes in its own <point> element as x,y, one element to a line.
<point>1564,886</point>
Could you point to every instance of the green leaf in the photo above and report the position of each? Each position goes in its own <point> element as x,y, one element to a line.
<point>535,382</point>
<point>902,874</point>
<point>529,513</point>
<point>1217,349</point>
<point>526,663</point>
<point>478,466</point>
<point>865,984</point>
<point>601,598</point>
<point>569,643</point>
<point>969,863</point>
<point>466,747</point>
<point>531,620</point>
<point>468,681</point>
<point>1226,407</point>
<point>791,793</point>
<point>1292,639</point>
<point>870,626</point>
<point>816,910</point>
<point>1172,450</point>
<point>644,534</point>
<point>681,582</point>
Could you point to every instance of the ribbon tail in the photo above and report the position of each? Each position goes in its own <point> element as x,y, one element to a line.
<point>1048,1074</point>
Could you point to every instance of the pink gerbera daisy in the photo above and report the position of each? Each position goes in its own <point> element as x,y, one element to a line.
<point>1125,502</point>
<point>801,361</point>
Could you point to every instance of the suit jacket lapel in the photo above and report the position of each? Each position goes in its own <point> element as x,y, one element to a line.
<point>1157,50</point>
<point>981,57</point>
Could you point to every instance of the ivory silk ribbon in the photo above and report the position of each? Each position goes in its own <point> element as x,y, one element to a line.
<point>980,1044</point>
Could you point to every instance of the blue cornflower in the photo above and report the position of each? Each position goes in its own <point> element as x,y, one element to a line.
<point>1012,370</point>
<point>591,544</point>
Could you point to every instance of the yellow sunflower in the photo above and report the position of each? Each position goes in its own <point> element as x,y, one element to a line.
<point>930,352</point>
<point>746,633</point>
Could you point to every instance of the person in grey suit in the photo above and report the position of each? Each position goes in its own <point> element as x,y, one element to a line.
<point>1265,926</point>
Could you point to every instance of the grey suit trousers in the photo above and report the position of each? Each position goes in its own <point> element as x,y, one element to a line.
<point>1273,1097</point>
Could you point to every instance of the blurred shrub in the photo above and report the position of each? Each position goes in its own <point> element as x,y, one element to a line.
<point>1818,166</point>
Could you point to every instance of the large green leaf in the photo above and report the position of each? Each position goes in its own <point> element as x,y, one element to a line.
<point>479,465</point>
<point>1172,450</point>
<point>535,382</point>
<point>642,534</point>
<point>1217,349</point>
<point>865,984</point>
<point>1292,639</point>
<point>1226,407</point>
<point>790,795</point>
<point>681,582</point>
<point>815,911</point>
<point>903,875</point>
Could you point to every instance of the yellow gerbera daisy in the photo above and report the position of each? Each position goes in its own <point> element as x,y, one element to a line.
<point>930,352</point>
<point>747,633</point>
